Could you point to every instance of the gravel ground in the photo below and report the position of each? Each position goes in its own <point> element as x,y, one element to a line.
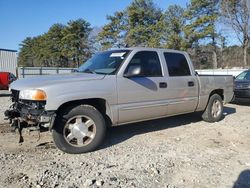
<point>4,104</point>
<point>181,151</point>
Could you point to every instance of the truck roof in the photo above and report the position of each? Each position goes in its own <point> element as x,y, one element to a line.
<point>147,48</point>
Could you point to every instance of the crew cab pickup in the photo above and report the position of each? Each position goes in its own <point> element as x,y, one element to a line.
<point>112,88</point>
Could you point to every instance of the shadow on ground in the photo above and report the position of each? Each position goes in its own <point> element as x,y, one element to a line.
<point>228,111</point>
<point>46,145</point>
<point>243,179</point>
<point>119,134</point>
<point>116,135</point>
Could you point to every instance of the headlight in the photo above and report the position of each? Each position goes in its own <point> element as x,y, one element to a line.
<point>33,94</point>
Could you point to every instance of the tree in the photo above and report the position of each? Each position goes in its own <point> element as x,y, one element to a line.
<point>60,46</point>
<point>144,24</point>
<point>237,14</point>
<point>201,24</point>
<point>53,45</point>
<point>140,24</point>
<point>31,52</point>
<point>25,56</point>
<point>173,23</point>
<point>112,34</point>
<point>76,41</point>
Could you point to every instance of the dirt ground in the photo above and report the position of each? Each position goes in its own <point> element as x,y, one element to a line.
<point>181,151</point>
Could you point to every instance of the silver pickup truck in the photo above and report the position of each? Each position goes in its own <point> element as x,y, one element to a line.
<point>112,88</point>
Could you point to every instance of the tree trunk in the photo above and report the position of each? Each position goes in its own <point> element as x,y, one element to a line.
<point>215,63</point>
<point>77,62</point>
<point>223,65</point>
<point>245,46</point>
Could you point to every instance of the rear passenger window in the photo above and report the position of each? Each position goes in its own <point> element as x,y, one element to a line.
<point>149,62</point>
<point>177,64</point>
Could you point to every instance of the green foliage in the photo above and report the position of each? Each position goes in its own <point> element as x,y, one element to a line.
<point>112,33</point>
<point>63,45</point>
<point>31,52</point>
<point>140,24</point>
<point>174,22</point>
<point>76,40</point>
<point>53,45</point>
<point>144,24</point>
<point>201,18</point>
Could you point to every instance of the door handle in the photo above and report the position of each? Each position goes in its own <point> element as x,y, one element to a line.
<point>191,84</point>
<point>163,85</point>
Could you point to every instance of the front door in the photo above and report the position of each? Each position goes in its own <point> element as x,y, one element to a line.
<point>142,97</point>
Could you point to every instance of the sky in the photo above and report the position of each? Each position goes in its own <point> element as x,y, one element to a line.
<point>28,18</point>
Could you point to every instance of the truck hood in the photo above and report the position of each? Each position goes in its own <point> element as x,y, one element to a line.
<point>242,81</point>
<point>43,81</point>
<point>241,84</point>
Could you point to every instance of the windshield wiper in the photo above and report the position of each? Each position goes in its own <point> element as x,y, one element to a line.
<point>89,71</point>
<point>75,70</point>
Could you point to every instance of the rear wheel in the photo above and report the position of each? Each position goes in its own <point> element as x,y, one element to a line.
<point>214,109</point>
<point>79,129</point>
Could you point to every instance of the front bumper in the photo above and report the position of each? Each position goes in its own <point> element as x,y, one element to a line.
<point>242,93</point>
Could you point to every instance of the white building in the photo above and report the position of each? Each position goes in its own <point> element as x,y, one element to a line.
<point>8,61</point>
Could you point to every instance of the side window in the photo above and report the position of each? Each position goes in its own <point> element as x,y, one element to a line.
<point>12,77</point>
<point>149,62</point>
<point>177,64</point>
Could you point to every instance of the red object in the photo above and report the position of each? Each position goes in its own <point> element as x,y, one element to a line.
<point>5,79</point>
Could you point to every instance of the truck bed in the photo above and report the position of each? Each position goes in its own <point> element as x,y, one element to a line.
<point>208,83</point>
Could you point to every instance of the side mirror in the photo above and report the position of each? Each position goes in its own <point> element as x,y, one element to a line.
<point>12,77</point>
<point>132,71</point>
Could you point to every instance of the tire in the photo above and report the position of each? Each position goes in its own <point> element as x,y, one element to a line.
<point>214,109</point>
<point>79,129</point>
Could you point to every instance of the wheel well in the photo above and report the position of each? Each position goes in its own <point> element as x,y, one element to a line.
<point>98,103</point>
<point>220,92</point>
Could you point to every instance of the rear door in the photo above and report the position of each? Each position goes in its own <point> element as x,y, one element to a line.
<point>142,97</point>
<point>182,92</point>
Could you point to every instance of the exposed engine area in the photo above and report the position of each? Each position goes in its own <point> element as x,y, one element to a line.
<point>27,114</point>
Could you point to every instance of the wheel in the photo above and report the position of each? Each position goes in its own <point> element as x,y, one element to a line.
<point>214,109</point>
<point>79,129</point>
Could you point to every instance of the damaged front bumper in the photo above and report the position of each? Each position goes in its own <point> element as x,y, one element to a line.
<point>28,114</point>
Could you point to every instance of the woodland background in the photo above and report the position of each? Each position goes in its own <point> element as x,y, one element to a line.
<point>198,29</point>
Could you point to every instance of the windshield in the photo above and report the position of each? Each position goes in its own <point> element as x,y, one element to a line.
<point>106,62</point>
<point>244,76</point>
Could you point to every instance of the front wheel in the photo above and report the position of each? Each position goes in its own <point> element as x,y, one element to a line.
<point>79,129</point>
<point>214,109</point>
